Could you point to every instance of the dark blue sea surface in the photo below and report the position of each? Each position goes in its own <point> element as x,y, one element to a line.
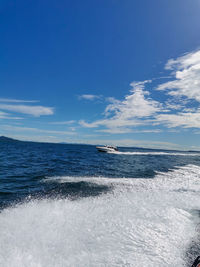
<point>24,166</point>
<point>70,205</point>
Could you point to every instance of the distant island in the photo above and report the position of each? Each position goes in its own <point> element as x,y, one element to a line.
<point>5,139</point>
<point>8,139</point>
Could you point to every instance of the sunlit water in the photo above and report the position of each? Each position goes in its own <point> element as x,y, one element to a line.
<point>68,205</point>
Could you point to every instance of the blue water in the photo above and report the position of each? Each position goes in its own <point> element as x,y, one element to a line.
<point>123,208</point>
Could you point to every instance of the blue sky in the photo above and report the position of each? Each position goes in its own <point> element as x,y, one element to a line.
<point>101,72</point>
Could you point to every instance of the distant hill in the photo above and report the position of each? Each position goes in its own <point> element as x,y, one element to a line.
<point>8,139</point>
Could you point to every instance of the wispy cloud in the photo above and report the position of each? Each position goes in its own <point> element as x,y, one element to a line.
<point>186,71</point>
<point>63,122</point>
<point>184,87</point>
<point>5,115</point>
<point>90,97</point>
<point>117,130</point>
<point>135,105</point>
<point>36,111</point>
<point>127,130</point>
<point>10,100</point>
<point>121,115</point>
<point>34,130</point>
<point>185,120</point>
<point>111,123</point>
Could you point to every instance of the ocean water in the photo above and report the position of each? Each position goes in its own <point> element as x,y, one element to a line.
<point>69,205</point>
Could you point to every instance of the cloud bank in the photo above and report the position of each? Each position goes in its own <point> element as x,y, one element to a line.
<point>180,107</point>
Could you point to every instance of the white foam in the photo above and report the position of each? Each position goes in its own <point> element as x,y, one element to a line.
<point>141,222</point>
<point>154,153</point>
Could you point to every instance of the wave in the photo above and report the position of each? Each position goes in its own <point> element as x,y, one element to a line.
<point>156,153</point>
<point>140,221</point>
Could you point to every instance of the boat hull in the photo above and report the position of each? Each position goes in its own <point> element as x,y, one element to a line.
<point>105,149</point>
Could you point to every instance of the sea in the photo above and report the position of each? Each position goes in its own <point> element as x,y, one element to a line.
<point>70,205</point>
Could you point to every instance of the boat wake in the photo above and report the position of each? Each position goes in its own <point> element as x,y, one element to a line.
<point>155,153</point>
<point>139,221</point>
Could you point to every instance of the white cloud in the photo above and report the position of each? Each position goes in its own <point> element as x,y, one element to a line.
<point>186,70</point>
<point>36,111</point>
<point>62,122</point>
<point>185,120</point>
<point>112,123</point>
<point>34,130</point>
<point>138,108</point>
<point>184,88</point>
<point>117,130</point>
<point>10,100</point>
<point>3,115</point>
<point>128,130</point>
<point>120,115</point>
<point>135,105</point>
<point>7,116</point>
<point>89,97</point>
<point>174,105</point>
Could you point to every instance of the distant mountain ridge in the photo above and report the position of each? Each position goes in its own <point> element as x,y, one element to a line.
<point>7,139</point>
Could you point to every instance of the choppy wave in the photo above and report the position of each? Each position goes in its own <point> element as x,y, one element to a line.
<point>139,222</point>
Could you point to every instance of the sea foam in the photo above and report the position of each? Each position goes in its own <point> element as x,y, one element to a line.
<point>140,222</point>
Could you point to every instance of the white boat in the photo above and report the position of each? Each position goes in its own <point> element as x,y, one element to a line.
<point>107,148</point>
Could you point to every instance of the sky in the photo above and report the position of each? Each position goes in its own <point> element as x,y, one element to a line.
<point>116,72</point>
